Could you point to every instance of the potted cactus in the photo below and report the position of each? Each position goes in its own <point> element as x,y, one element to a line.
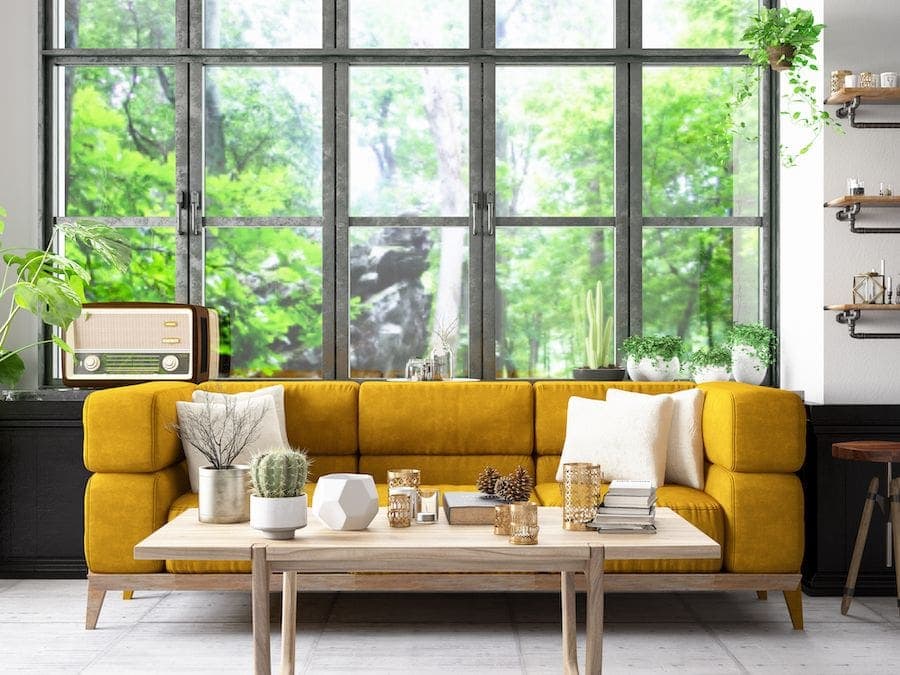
<point>278,502</point>
<point>710,364</point>
<point>594,330</point>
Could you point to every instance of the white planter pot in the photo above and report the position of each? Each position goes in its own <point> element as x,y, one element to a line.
<point>278,517</point>
<point>712,374</point>
<point>345,501</point>
<point>657,370</point>
<point>634,373</point>
<point>746,366</point>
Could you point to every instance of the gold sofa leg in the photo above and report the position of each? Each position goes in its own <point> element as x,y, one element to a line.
<point>127,594</point>
<point>794,601</point>
<point>762,595</point>
<point>95,597</point>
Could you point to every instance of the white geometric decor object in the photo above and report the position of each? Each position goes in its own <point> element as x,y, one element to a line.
<point>345,501</point>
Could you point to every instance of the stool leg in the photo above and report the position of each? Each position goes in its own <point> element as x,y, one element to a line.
<point>895,519</point>
<point>860,544</point>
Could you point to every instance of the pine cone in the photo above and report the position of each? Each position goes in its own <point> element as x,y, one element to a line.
<point>486,480</point>
<point>515,487</point>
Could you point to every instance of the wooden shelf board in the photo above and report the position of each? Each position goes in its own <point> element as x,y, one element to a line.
<point>864,200</point>
<point>847,308</point>
<point>879,95</point>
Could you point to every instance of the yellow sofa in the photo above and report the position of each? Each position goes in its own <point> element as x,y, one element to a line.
<point>752,504</point>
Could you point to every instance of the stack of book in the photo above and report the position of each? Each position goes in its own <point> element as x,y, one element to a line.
<point>629,506</point>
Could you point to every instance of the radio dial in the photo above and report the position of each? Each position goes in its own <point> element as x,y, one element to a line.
<point>91,362</point>
<point>169,362</point>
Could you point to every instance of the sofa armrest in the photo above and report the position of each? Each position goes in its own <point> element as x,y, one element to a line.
<point>128,429</point>
<point>751,429</point>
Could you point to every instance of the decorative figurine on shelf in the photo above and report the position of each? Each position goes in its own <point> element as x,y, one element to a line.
<point>868,288</point>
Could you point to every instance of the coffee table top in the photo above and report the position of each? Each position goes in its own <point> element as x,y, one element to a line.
<point>436,546</point>
<point>867,451</point>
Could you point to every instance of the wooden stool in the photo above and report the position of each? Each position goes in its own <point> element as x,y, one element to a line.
<point>873,451</point>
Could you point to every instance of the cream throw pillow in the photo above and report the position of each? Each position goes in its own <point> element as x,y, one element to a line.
<point>267,437</point>
<point>275,391</point>
<point>627,439</point>
<point>684,457</point>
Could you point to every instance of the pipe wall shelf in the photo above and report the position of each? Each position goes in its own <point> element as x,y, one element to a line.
<point>851,313</point>
<point>851,98</point>
<point>851,205</point>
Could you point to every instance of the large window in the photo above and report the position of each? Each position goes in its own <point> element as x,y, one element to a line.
<point>342,178</point>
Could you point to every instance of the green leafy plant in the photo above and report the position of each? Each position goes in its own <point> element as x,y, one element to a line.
<point>657,348</point>
<point>49,285</point>
<point>760,339</point>
<point>280,472</point>
<point>784,39</point>
<point>709,356</point>
<point>594,329</point>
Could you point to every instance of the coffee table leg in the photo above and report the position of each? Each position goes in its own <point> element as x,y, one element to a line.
<point>569,627</point>
<point>288,621</point>
<point>594,630</point>
<point>259,587</point>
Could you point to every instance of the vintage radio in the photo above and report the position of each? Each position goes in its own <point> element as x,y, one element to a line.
<point>127,342</point>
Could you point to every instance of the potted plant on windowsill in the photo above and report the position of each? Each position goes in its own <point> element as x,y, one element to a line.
<point>278,503</point>
<point>50,286</point>
<point>752,351</point>
<point>595,332</point>
<point>783,39</point>
<point>710,364</point>
<point>653,357</point>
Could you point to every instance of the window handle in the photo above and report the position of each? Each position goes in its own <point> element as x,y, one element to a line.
<point>181,205</point>
<point>490,214</point>
<point>473,214</point>
<point>196,225</point>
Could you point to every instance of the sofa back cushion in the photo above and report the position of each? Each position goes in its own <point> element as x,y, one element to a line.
<point>321,417</point>
<point>449,430</point>
<point>551,400</point>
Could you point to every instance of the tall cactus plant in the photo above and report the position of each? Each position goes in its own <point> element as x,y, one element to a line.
<point>594,328</point>
<point>279,473</point>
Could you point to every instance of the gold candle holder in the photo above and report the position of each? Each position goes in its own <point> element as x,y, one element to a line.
<point>523,523</point>
<point>399,512</point>
<point>501,519</point>
<point>403,478</point>
<point>580,494</point>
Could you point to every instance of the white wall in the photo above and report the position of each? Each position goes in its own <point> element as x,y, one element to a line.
<point>18,145</point>
<point>864,37</point>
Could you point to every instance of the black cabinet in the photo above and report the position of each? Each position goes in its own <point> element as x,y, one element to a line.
<point>42,479</point>
<point>835,490</point>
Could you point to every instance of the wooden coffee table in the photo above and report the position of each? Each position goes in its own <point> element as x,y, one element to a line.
<point>438,548</point>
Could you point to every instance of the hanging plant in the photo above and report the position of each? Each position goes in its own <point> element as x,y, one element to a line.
<point>783,39</point>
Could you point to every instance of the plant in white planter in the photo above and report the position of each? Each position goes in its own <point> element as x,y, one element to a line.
<point>653,357</point>
<point>278,502</point>
<point>752,351</point>
<point>710,364</point>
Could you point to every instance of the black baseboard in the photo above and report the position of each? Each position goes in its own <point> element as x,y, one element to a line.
<point>43,568</point>
<point>831,584</point>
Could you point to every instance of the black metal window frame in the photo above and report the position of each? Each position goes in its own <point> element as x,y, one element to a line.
<point>336,57</point>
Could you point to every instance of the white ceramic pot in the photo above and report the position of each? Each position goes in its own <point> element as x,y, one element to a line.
<point>657,370</point>
<point>634,373</point>
<point>746,366</point>
<point>711,374</point>
<point>345,501</point>
<point>278,517</point>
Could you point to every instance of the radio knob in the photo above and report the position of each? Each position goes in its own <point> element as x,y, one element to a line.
<point>169,362</point>
<point>91,362</point>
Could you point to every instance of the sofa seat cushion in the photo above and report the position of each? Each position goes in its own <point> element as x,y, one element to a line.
<point>695,506</point>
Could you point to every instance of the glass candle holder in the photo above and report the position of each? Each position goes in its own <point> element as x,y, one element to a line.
<point>867,79</point>
<point>403,478</point>
<point>837,79</point>
<point>399,512</point>
<point>427,510</point>
<point>581,493</point>
<point>501,519</point>
<point>523,523</point>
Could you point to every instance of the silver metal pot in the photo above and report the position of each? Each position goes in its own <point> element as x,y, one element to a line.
<point>225,494</point>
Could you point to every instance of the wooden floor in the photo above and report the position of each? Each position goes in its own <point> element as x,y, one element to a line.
<point>42,631</point>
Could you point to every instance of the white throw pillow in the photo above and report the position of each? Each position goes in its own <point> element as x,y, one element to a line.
<point>276,392</point>
<point>627,439</point>
<point>267,437</point>
<point>684,457</point>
